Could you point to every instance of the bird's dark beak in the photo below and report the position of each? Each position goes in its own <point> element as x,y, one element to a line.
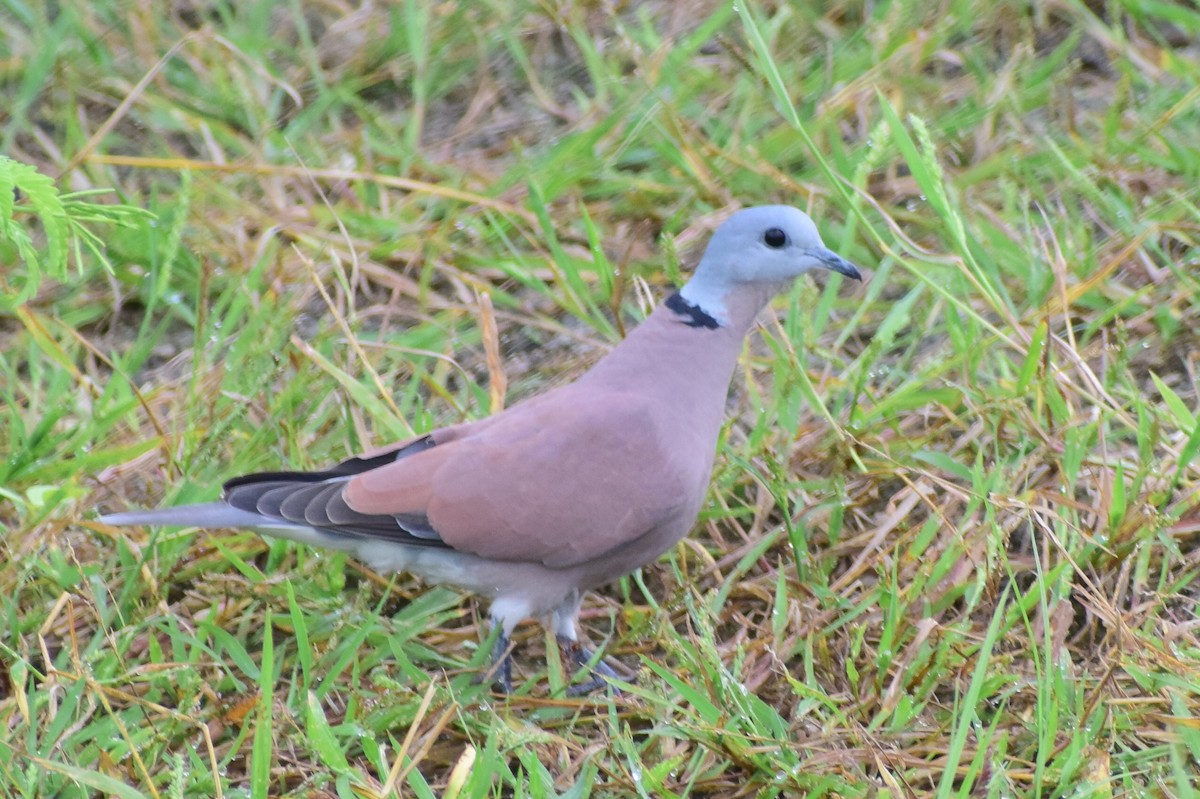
<point>831,260</point>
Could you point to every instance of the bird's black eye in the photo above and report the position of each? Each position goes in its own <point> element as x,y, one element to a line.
<point>775,238</point>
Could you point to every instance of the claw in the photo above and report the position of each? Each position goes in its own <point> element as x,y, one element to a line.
<point>581,656</point>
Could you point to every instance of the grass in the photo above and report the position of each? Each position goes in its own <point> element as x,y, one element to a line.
<point>949,546</point>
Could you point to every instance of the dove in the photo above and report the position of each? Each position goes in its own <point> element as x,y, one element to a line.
<point>561,493</point>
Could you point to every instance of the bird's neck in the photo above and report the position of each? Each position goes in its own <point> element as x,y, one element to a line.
<point>733,307</point>
<point>688,351</point>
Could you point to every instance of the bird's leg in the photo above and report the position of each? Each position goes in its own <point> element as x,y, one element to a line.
<point>504,615</point>
<point>501,664</point>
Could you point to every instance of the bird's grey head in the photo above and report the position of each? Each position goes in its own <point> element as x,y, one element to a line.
<point>768,245</point>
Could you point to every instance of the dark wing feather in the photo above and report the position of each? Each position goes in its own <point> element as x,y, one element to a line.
<point>296,503</point>
<point>269,502</point>
<point>314,511</point>
<point>246,496</point>
<point>315,499</point>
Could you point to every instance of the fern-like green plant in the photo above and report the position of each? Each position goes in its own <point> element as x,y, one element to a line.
<point>65,221</point>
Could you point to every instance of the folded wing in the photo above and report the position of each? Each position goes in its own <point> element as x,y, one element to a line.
<point>599,477</point>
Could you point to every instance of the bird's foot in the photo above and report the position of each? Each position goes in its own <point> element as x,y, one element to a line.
<point>581,656</point>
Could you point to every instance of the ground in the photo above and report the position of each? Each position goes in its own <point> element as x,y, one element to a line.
<point>949,548</point>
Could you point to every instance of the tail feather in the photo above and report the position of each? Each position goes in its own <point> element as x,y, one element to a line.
<point>383,555</point>
<point>209,514</point>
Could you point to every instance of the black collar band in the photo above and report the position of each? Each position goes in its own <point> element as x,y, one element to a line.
<point>695,315</point>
